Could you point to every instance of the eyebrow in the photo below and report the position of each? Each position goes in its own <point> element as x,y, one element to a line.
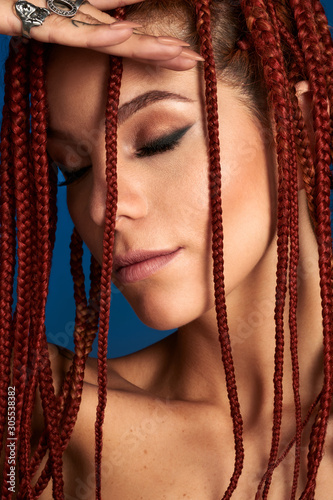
<point>143,100</point>
<point>128,109</point>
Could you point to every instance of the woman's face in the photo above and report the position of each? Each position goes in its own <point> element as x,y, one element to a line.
<point>163,187</point>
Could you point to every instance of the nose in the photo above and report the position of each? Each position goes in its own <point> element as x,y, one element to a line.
<point>132,202</point>
<point>132,199</point>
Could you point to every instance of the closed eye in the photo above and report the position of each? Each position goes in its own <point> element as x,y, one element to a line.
<point>162,144</point>
<point>157,146</point>
<point>70,176</point>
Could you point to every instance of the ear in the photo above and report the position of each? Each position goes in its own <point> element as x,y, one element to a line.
<point>304,96</point>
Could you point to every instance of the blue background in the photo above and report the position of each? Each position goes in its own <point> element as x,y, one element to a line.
<point>127,333</point>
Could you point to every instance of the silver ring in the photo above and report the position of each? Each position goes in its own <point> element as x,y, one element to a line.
<point>70,10</point>
<point>30,15</point>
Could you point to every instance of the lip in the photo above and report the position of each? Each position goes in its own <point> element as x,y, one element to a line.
<point>139,265</point>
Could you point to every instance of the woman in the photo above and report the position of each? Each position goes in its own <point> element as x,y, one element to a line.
<point>167,429</point>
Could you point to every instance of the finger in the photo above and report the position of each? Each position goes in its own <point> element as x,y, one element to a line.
<point>141,46</point>
<point>76,33</point>
<point>110,39</point>
<point>112,4</point>
<point>178,63</point>
<point>9,23</point>
<point>149,48</point>
<point>185,61</point>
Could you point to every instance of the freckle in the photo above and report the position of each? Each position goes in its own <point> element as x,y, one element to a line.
<point>145,452</point>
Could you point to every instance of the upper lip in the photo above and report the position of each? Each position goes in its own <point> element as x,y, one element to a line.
<point>135,256</point>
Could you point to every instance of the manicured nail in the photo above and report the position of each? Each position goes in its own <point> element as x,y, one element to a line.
<point>119,25</point>
<point>190,54</point>
<point>168,40</point>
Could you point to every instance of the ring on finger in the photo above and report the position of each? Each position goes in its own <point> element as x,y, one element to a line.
<point>70,9</point>
<point>30,15</point>
<point>33,16</point>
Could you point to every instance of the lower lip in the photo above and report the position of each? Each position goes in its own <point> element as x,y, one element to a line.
<point>144,269</point>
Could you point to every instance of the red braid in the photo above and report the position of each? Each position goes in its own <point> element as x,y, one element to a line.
<point>7,251</point>
<point>269,49</point>
<point>326,45</point>
<point>30,390</point>
<point>316,74</point>
<point>203,25</point>
<point>20,138</point>
<point>290,445</point>
<point>293,293</point>
<point>304,158</point>
<point>33,353</point>
<point>86,324</point>
<point>41,174</point>
<point>108,241</point>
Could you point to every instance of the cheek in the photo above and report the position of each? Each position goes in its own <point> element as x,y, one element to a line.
<point>190,187</point>
<point>180,216</point>
<point>248,215</point>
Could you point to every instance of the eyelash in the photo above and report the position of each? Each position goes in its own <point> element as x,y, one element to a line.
<point>157,146</point>
<point>162,144</point>
<point>70,177</point>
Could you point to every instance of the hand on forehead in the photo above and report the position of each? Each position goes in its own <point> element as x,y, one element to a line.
<point>91,27</point>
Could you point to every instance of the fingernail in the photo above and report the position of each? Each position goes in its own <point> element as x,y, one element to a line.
<point>190,54</point>
<point>168,40</point>
<point>119,25</point>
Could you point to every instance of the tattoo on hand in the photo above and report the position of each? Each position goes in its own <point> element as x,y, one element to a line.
<point>77,23</point>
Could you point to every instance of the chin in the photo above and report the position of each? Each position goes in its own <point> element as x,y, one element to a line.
<point>160,312</point>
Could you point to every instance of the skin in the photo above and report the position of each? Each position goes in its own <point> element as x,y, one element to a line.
<point>172,396</point>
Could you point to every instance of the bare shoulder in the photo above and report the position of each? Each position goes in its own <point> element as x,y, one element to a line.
<point>61,360</point>
<point>140,426</point>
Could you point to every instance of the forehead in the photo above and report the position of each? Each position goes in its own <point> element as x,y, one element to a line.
<point>77,85</point>
<point>76,80</point>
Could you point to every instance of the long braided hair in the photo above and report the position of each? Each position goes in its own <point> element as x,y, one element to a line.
<point>267,45</point>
